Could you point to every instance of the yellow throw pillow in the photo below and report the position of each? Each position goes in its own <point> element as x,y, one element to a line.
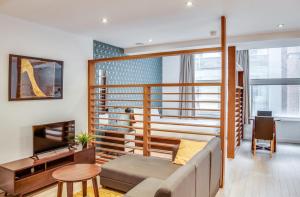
<point>187,149</point>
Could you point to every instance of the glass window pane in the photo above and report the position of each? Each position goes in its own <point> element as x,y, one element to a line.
<point>282,100</point>
<point>275,63</point>
<point>207,67</point>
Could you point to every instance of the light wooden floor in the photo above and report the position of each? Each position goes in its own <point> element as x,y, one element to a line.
<point>248,177</point>
<point>263,176</point>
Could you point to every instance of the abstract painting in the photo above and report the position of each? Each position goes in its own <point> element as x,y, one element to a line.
<point>33,78</point>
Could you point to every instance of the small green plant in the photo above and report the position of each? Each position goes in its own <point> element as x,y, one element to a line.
<point>83,139</point>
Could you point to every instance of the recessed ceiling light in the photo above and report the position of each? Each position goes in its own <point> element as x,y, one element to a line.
<point>280,26</point>
<point>150,40</point>
<point>104,20</point>
<point>139,44</point>
<point>189,4</point>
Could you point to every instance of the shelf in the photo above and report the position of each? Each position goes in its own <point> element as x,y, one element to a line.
<point>24,173</point>
<point>59,162</point>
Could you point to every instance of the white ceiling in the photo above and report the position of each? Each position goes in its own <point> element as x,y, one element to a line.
<point>165,21</point>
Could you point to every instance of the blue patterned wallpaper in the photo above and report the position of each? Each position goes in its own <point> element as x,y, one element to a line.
<point>141,71</point>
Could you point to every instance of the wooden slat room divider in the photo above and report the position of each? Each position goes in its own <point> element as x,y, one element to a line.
<point>117,133</point>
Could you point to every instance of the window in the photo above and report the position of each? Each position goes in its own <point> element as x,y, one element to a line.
<point>207,69</point>
<point>275,81</point>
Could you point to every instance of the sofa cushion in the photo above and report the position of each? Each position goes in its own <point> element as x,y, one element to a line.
<point>180,184</point>
<point>133,169</point>
<point>146,188</point>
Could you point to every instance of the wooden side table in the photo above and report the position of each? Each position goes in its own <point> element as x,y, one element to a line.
<point>77,173</point>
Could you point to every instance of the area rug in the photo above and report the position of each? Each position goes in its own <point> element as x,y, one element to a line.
<point>102,192</point>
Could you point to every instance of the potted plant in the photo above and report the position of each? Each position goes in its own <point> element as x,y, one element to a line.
<point>83,139</point>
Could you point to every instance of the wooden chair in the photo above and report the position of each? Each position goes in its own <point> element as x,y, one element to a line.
<point>264,129</point>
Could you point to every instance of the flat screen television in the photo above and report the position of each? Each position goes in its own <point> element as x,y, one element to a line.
<point>49,137</point>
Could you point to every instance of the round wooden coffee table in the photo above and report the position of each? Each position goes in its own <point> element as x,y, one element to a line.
<point>77,173</point>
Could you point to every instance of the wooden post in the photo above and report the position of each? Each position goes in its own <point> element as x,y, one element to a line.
<point>231,138</point>
<point>146,119</point>
<point>223,95</point>
<point>91,82</point>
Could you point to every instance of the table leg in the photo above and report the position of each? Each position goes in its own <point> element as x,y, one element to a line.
<point>69,189</point>
<point>59,189</point>
<point>95,186</point>
<point>84,188</point>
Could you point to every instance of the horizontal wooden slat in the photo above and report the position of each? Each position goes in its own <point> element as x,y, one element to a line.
<point>163,101</point>
<point>161,151</point>
<point>116,145</point>
<point>182,93</point>
<point>155,122</point>
<point>101,161</point>
<point>192,109</point>
<point>156,85</point>
<point>113,151</point>
<point>184,132</point>
<point>161,108</point>
<point>164,116</point>
<point>155,55</point>
<point>118,139</point>
<point>117,126</point>
<point>163,144</point>
<point>118,132</point>
<point>153,93</point>
<point>101,154</point>
<point>185,124</point>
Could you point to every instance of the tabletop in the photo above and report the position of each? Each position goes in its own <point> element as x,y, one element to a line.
<point>76,172</point>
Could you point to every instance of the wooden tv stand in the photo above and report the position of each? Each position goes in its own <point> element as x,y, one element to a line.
<point>27,175</point>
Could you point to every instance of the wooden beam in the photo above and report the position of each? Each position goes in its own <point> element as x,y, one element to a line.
<point>156,55</point>
<point>223,95</point>
<point>231,138</point>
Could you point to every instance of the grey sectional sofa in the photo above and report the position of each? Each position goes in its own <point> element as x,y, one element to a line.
<point>140,176</point>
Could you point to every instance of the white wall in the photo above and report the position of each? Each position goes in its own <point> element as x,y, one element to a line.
<point>171,69</point>
<point>16,118</point>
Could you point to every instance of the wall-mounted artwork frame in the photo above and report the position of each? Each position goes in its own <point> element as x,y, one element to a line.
<point>32,78</point>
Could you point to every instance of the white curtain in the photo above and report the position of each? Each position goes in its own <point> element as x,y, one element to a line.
<point>187,75</point>
<point>243,60</point>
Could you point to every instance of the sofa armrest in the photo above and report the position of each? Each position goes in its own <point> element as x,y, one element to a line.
<point>146,188</point>
<point>181,183</point>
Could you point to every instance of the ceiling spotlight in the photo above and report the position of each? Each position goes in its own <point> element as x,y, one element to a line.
<point>150,40</point>
<point>104,20</point>
<point>189,4</point>
<point>280,26</point>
